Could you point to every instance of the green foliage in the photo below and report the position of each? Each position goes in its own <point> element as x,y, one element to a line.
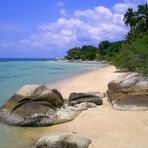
<point>106,49</point>
<point>130,17</point>
<point>103,46</point>
<point>134,52</point>
<point>137,20</point>
<point>133,56</point>
<point>84,53</point>
<point>91,56</point>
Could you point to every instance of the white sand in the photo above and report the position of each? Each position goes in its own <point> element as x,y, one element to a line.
<point>106,127</point>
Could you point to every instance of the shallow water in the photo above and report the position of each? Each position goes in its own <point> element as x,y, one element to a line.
<point>15,74</point>
<point>20,137</point>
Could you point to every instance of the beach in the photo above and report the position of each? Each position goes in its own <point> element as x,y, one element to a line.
<point>103,125</point>
<point>74,74</point>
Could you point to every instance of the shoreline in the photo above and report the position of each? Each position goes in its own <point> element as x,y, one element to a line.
<point>37,72</point>
<point>103,125</point>
<point>64,83</point>
<point>70,78</point>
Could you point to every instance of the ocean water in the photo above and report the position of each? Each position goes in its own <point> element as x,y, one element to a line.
<point>14,73</point>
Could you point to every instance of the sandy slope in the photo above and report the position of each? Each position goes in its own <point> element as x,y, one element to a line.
<point>103,125</point>
<point>96,80</point>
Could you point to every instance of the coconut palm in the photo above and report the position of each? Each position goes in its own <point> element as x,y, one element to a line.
<point>143,15</point>
<point>130,18</point>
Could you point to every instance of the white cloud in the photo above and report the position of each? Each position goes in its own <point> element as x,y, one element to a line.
<point>120,7</point>
<point>103,11</point>
<point>83,27</point>
<point>96,14</point>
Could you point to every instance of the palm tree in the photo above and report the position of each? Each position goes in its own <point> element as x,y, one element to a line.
<point>137,20</point>
<point>143,15</point>
<point>130,18</point>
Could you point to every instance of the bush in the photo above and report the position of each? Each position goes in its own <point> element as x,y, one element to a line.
<point>103,46</point>
<point>133,56</point>
<point>90,56</point>
<point>84,53</point>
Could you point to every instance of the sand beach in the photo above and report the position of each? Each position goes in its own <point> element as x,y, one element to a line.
<point>103,125</point>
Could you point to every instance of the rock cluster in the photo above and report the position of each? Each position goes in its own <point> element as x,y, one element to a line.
<point>37,105</point>
<point>129,92</point>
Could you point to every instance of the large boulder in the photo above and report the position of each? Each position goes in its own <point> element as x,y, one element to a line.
<point>129,92</point>
<point>77,98</point>
<point>63,140</point>
<point>32,105</point>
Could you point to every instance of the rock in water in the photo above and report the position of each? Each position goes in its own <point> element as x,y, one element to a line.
<point>129,92</point>
<point>77,98</point>
<point>63,140</point>
<point>32,105</point>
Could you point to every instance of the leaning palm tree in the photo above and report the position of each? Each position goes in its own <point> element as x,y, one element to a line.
<point>130,18</point>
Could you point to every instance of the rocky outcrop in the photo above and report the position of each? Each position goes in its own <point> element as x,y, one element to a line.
<point>77,98</point>
<point>37,105</point>
<point>63,140</point>
<point>32,105</point>
<point>129,92</point>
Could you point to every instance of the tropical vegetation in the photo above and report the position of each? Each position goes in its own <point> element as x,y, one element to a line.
<point>84,53</point>
<point>130,54</point>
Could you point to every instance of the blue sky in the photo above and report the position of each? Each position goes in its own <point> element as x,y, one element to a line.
<point>48,28</point>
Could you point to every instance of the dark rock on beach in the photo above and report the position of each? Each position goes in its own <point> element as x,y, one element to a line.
<point>63,140</point>
<point>32,105</point>
<point>129,92</point>
<point>77,98</point>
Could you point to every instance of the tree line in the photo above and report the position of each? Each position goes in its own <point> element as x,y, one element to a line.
<point>131,54</point>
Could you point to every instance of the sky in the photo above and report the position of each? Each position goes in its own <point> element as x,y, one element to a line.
<point>48,28</point>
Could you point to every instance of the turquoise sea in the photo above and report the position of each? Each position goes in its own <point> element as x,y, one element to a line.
<point>14,73</point>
